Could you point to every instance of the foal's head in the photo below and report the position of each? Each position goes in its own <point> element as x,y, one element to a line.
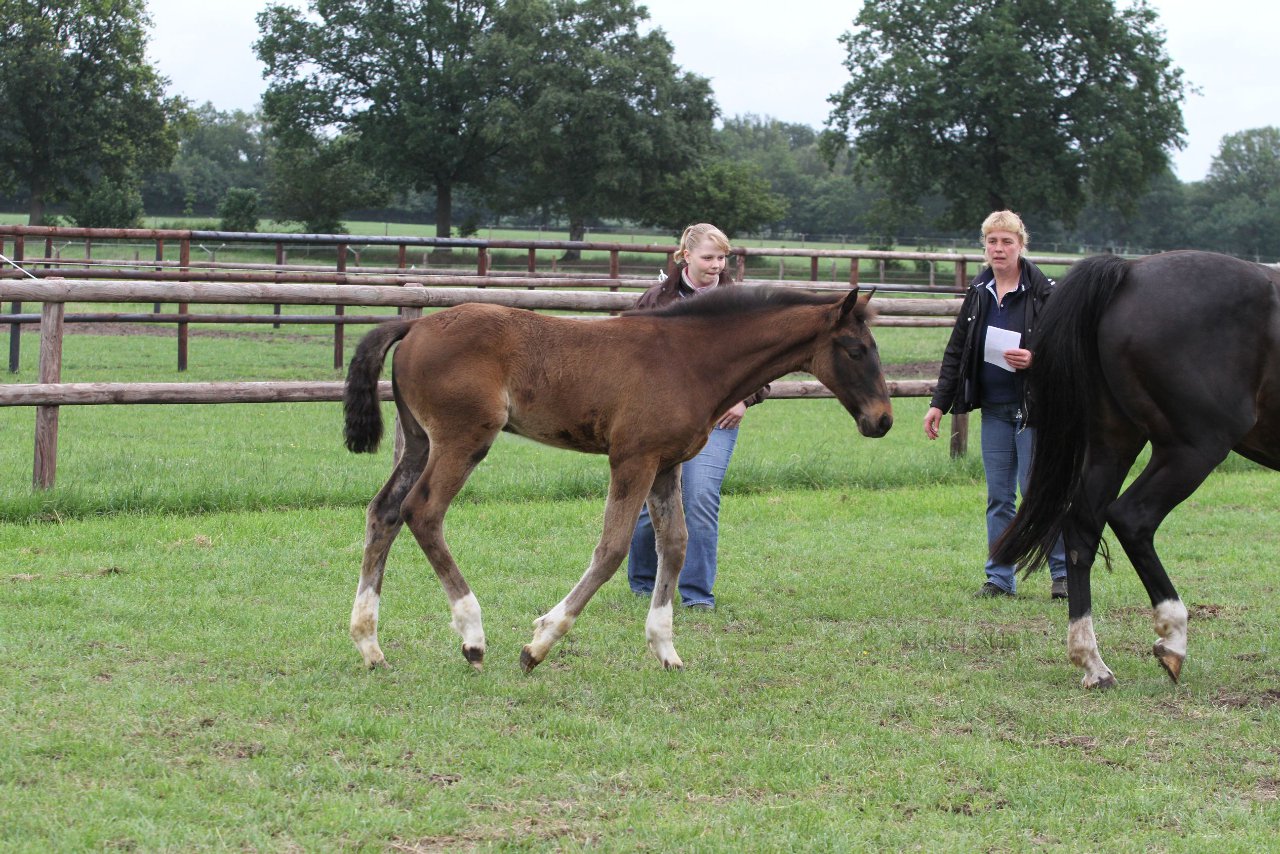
<point>843,355</point>
<point>848,363</point>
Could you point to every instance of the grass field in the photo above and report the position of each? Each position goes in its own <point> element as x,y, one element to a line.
<point>178,674</point>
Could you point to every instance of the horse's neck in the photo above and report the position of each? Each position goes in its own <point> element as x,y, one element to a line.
<point>761,348</point>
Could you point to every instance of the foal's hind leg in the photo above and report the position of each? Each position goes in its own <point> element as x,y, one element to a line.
<point>382,523</point>
<point>671,537</point>
<point>451,461</point>
<point>629,482</point>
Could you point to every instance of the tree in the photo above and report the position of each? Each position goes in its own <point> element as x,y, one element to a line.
<point>314,180</point>
<point>239,210</point>
<point>216,151</point>
<point>1243,191</point>
<point>108,203</point>
<point>421,88</point>
<point>734,196</point>
<point>1010,103</point>
<point>607,116</point>
<point>81,103</point>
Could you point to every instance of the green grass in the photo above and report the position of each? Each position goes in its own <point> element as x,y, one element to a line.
<point>178,675</point>
<point>185,683</point>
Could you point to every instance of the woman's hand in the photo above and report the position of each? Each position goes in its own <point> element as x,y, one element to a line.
<point>733,417</point>
<point>1018,358</point>
<point>932,419</point>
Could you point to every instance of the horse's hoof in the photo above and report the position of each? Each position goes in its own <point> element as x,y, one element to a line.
<point>1170,661</point>
<point>527,661</point>
<point>474,656</point>
<point>675,664</point>
<point>379,664</point>
<point>1099,683</point>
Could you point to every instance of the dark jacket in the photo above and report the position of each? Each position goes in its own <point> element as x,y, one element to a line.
<point>668,290</point>
<point>957,390</point>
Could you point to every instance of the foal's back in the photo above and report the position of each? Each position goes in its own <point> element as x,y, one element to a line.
<point>561,381</point>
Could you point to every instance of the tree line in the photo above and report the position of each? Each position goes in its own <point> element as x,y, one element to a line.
<point>573,114</point>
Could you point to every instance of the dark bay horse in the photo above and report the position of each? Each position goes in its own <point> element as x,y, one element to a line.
<point>1181,350</point>
<point>643,388</point>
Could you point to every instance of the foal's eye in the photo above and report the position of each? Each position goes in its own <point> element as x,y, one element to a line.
<point>854,347</point>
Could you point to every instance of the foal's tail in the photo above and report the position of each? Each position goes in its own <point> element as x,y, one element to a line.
<point>1066,373</point>
<point>363,428</point>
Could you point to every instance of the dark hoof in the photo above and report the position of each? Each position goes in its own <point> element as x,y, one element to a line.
<point>474,656</point>
<point>1170,661</point>
<point>527,661</point>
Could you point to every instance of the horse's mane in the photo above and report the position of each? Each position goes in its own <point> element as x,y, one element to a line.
<point>742,299</point>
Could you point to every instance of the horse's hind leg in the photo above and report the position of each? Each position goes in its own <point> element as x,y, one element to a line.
<point>382,524</point>
<point>1168,480</point>
<point>1104,473</point>
<point>671,537</point>
<point>629,482</point>
<point>450,463</point>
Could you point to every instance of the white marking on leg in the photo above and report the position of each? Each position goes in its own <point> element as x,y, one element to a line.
<point>1082,648</point>
<point>364,626</point>
<point>658,632</point>
<point>467,623</point>
<point>548,629</point>
<point>1170,621</point>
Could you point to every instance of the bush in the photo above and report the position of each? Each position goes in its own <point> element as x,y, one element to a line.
<point>110,203</point>
<point>239,210</point>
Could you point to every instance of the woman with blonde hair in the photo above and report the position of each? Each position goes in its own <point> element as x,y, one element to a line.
<point>1000,309</point>
<point>703,257</point>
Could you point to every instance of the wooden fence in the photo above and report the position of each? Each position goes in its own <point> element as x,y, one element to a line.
<point>95,261</point>
<point>53,294</point>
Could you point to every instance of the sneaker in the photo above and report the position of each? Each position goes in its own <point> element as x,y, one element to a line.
<point>700,606</point>
<point>1059,589</point>
<point>990,590</point>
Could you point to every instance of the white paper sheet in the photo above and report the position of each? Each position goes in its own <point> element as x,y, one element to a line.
<point>999,340</point>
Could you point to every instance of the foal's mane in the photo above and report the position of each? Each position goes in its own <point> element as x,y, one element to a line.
<point>742,299</point>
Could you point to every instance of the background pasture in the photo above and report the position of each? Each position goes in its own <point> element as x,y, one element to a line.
<point>178,674</point>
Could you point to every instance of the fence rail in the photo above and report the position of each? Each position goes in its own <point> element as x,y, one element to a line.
<point>159,282</point>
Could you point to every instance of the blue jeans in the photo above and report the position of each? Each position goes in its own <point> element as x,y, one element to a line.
<point>700,480</point>
<point>1006,458</point>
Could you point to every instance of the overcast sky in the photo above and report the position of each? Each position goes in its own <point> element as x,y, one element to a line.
<point>783,60</point>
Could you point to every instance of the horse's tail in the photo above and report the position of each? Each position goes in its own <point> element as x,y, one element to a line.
<point>1065,374</point>
<point>360,404</point>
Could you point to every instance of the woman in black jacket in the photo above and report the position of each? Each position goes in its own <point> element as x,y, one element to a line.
<point>984,367</point>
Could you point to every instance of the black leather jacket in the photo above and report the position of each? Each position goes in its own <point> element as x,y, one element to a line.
<point>957,389</point>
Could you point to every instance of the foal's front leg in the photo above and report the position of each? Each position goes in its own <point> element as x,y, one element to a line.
<point>629,481</point>
<point>671,536</point>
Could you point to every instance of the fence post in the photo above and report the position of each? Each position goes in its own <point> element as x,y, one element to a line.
<point>279,263</point>
<point>184,328</point>
<point>46,456</point>
<point>960,423</point>
<point>15,329</point>
<point>959,434</point>
<point>156,307</point>
<point>339,310</point>
<point>407,312</point>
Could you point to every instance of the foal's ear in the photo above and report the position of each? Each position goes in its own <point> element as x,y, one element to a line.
<point>854,299</point>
